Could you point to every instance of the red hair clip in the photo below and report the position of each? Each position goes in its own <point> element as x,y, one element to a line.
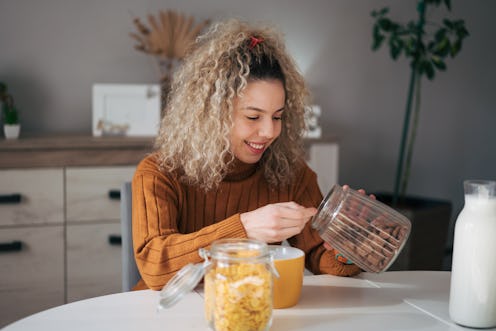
<point>254,41</point>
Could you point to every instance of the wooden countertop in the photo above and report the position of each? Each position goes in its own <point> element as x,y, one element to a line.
<point>82,150</point>
<point>72,150</point>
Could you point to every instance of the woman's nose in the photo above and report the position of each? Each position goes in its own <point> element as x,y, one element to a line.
<point>266,129</point>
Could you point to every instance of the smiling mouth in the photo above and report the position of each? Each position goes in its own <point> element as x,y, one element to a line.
<point>256,146</point>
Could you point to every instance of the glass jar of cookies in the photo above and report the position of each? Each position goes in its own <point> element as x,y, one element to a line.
<point>364,230</point>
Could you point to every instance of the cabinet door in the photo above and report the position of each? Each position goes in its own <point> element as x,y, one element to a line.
<point>31,196</point>
<point>93,260</point>
<point>31,270</point>
<point>93,192</point>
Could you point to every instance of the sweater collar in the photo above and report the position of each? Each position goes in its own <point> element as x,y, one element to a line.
<point>240,170</point>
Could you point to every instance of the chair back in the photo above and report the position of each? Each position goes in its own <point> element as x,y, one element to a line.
<point>130,273</point>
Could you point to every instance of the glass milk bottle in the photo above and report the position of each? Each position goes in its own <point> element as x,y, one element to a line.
<point>473,277</point>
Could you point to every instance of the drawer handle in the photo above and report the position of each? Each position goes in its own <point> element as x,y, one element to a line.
<point>115,239</point>
<point>10,198</point>
<point>114,194</point>
<point>14,246</point>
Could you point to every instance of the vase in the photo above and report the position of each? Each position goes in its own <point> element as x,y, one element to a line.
<point>11,131</point>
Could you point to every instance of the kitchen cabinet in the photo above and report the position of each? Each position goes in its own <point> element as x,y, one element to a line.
<point>93,260</point>
<point>93,230</point>
<point>31,242</point>
<point>59,219</point>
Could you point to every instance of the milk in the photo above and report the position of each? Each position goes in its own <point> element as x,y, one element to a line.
<point>473,279</point>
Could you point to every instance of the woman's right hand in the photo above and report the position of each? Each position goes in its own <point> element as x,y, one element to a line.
<point>276,222</point>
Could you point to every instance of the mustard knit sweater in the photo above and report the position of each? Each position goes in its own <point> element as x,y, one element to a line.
<point>172,220</point>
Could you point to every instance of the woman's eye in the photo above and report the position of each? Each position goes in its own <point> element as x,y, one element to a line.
<point>277,118</point>
<point>252,118</point>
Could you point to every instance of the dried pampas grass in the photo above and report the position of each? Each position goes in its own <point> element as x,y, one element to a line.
<point>167,37</point>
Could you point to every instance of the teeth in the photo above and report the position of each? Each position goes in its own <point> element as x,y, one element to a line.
<point>256,146</point>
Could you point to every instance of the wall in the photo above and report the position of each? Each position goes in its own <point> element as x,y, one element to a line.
<point>52,51</point>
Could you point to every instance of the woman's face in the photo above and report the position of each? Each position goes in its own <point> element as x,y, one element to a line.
<point>257,119</point>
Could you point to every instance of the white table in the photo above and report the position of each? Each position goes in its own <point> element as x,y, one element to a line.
<point>401,300</point>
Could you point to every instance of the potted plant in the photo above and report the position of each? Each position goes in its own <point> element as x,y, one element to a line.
<point>427,45</point>
<point>11,124</point>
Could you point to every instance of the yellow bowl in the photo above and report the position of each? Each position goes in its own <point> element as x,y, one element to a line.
<point>290,264</point>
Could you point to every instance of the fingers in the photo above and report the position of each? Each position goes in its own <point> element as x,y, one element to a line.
<point>361,191</point>
<point>292,217</point>
<point>282,234</point>
<point>276,222</point>
<point>294,211</point>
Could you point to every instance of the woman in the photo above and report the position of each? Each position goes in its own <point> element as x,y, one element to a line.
<point>229,159</point>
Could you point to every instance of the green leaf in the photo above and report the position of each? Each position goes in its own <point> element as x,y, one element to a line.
<point>10,114</point>
<point>461,32</point>
<point>440,34</point>
<point>378,39</point>
<point>443,47</point>
<point>433,2</point>
<point>385,23</point>
<point>455,48</point>
<point>379,13</point>
<point>420,7</point>
<point>429,70</point>
<point>448,4</point>
<point>410,46</point>
<point>396,46</point>
<point>376,31</point>
<point>449,24</point>
<point>438,63</point>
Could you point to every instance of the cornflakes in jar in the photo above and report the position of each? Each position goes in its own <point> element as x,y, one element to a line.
<point>238,286</point>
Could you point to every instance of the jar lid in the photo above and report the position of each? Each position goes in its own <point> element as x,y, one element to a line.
<point>183,282</point>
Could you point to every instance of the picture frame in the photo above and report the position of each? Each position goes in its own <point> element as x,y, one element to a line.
<point>125,109</point>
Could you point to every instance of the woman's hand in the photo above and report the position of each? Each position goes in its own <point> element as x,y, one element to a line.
<point>361,191</point>
<point>276,222</point>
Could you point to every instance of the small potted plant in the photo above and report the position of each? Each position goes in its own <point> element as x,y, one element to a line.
<point>11,126</point>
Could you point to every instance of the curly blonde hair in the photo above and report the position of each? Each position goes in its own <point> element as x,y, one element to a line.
<point>194,132</point>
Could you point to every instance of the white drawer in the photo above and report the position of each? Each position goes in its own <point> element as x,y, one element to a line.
<point>88,192</point>
<point>31,196</point>
<point>93,262</point>
<point>32,275</point>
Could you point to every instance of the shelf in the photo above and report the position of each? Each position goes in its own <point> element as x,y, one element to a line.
<point>72,150</point>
